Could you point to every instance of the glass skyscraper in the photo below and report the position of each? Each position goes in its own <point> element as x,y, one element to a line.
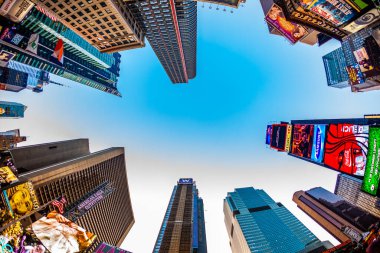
<point>183,228</point>
<point>335,68</point>
<point>11,110</point>
<point>256,223</point>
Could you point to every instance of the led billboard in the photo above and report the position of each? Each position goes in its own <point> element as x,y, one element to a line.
<point>346,148</point>
<point>371,176</point>
<point>318,148</point>
<point>268,135</point>
<point>292,31</point>
<point>363,21</point>
<point>355,75</point>
<point>278,138</point>
<point>337,12</point>
<point>302,140</point>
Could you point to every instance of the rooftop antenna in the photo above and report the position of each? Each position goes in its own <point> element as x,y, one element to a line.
<point>60,84</point>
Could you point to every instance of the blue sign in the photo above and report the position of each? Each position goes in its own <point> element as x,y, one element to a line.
<point>318,143</point>
<point>185,181</point>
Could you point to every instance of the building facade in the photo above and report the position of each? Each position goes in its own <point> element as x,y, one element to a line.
<point>341,219</point>
<point>256,223</point>
<point>349,188</point>
<point>68,168</point>
<point>12,80</point>
<point>11,110</point>
<point>335,68</point>
<point>171,29</point>
<point>82,62</point>
<point>183,228</point>
<point>9,139</point>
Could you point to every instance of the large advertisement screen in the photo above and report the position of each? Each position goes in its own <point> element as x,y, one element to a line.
<point>371,176</point>
<point>318,149</point>
<point>337,12</point>
<point>268,135</point>
<point>278,138</point>
<point>346,148</point>
<point>104,247</point>
<point>290,30</point>
<point>302,140</point>
<point>355,75</point>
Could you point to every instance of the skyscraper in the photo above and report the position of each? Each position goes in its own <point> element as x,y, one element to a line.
<point>9,139</point>
<point>256,223</point>
<point>183,228</point>
<point>335,68</point>
<point>82,62</point>
<point>11,110</point>
<point>12,80</point>
<point>68,168</point>
<point>341,219</point>
<point>349,188</point>
<point>171,29</point>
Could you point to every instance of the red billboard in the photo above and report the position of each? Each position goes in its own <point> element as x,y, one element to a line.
<point>302,140</point>
<point>346,148</point>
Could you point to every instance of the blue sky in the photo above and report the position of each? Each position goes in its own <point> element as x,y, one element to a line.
<point>212,129</point>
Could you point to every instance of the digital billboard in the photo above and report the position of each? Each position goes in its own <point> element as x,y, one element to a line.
<point>288,137</point>
<point>355,75</point>
<point>346,148</point>
<point>302,140</point>
<point>371,176</point>
<point>278,138</point>
<point>363,21</point>
<point>363,60</point>
<point>292,31</point>
<point>318,148</point>
<point>268,135</point>
<point>337,12</point>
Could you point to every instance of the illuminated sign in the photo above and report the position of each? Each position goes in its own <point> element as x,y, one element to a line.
<point>311,20</point>
<point>371,176</point>
<point>355,75</point>
<point>19,10</point>
<point>288,137</point>
<point>185,181</point>
<point>363,21</point>
<point>318,149</point>
<point>346,148</point>
<point>278,138</point>
<point>302,140</point>
<point>269,134</point>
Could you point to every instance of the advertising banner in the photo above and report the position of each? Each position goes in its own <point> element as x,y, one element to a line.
<point>288,138</point>
<point>337,12</point>
<point>185,181</point>
<point>355,75</point>
<point>269,134</point>
<point>302,140</point>
<point>292,31</point>
<point>7,176</point>
<point>89,201</point>
<point>5,57</point>
<point>21,199</point>
<point>58,234</point>
<point>362,58</point>
<point>318,149</point>
<point>371,176</point>
<point>278,137</point>
<point>363,21</point>
<point>346,148</point>
<point>106,248</point>
<point>19,10</point>
<point>6,6</point>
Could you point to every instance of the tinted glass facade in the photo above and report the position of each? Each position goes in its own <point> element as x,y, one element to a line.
<point>11,110</point>
<point>183,227</point>
<point>335,68</point>
<point>256,223</point>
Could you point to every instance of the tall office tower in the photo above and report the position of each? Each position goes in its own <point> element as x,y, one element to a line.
<point>68,168</point>
<point>107,25</point>
<point>9,139</point>
<point>256,223</point>
<point>171,29</point>
<point>335,68</point>
<point>183,228</point>
<point>11,110</point>
<point>80,62</point>
<point>349,188</point>
<point>12,80</point>
<point>341,219</point>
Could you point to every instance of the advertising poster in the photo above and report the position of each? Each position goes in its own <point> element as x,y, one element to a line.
<point>302,140</point>
<point>371,176</point>
<point>106,248</point>
<point>346,148</point>
<point>363,21</point>
<point>318,149</point>
<point>269,134</point>
<point>355,75</point>
<point>278,137</point>
<point>11,235</point>
<point>362,58</point>
<point>337,12</point>
<point>292,31</point>
<point>19,10</point>
<point>59,234</point>
<point>7,176</point>
<point>21,199</point>
<point>288,137</point>
<point>5,57</point>
<point>5,212</point>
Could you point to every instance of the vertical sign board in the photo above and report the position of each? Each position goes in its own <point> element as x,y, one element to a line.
<point>288,137</point>
<point>318,149</point>
<point>371,176</point>
<point>269,134</point>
